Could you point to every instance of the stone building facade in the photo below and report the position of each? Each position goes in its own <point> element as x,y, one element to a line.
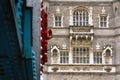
<point>86,40</point>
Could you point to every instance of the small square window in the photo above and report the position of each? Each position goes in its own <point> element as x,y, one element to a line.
<point>64,57</point>
<point>103,21</point>
<point>97,57</point>
<point>57,21</point>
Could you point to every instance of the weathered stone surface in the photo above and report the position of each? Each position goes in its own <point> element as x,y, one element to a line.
<point>103,36</point>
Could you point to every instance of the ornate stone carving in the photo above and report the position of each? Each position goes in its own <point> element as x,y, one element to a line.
<point>107,68</point>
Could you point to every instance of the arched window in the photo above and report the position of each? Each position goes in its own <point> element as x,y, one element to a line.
<point>80,17</point>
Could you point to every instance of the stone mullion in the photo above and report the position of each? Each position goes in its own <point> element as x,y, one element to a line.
<point>85,19</point>
<point>75,20</point>
<point>82,18</point>
<point>91,55</point>
<point>70,53</point>
<point>78,18</point>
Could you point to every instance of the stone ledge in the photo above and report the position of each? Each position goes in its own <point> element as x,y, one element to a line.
<point>80,73</point>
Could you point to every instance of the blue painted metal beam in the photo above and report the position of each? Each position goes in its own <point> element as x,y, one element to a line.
<point>11,62</point>
<point>17,59</point>
<point>29,54</point>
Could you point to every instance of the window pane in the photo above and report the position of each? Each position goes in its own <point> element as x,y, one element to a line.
<point>57,20</point>
<point>103,21</point>
<point>80,18</point>
<point>98,57</point>
<point>80,55</point>
<point>64,57</point>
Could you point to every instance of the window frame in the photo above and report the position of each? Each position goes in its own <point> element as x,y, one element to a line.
<point>103,20</point>
<point>59,22</point>
<point>81,17</point>
<point>64,57</point>
<point>97,57</point>
<point>79,56</point>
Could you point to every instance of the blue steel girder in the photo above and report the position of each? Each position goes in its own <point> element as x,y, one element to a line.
<point>19,15</point>
<point>11,63</point>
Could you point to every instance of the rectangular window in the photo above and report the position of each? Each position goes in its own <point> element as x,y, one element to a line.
<point>80,55</point>
<point>80,18</point>
<point>64,57</point>
<point>98,57</point>
<point>103,21</point>
<point>58,21</point>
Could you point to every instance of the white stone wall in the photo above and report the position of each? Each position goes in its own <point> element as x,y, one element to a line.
<point>83,0</point>
<point>106,36</point>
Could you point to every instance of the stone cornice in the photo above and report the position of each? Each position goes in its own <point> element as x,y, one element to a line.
<point>87,3</point>
<point>94,28</point>
<point>95,35</point>
<point>81,0</point>
<point>99,36</point>
<point>58,28</point>
<point>97,73</point>
<point>107,36</point>
<point>111,28</point>
<point>83,64</point>
<point>61,36</point>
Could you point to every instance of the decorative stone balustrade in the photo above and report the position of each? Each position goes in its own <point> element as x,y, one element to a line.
<point>81,29</point>
<point>81,34</point>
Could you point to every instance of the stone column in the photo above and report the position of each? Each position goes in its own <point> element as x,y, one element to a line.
<point>91,55</point>
<point>70,53</point>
